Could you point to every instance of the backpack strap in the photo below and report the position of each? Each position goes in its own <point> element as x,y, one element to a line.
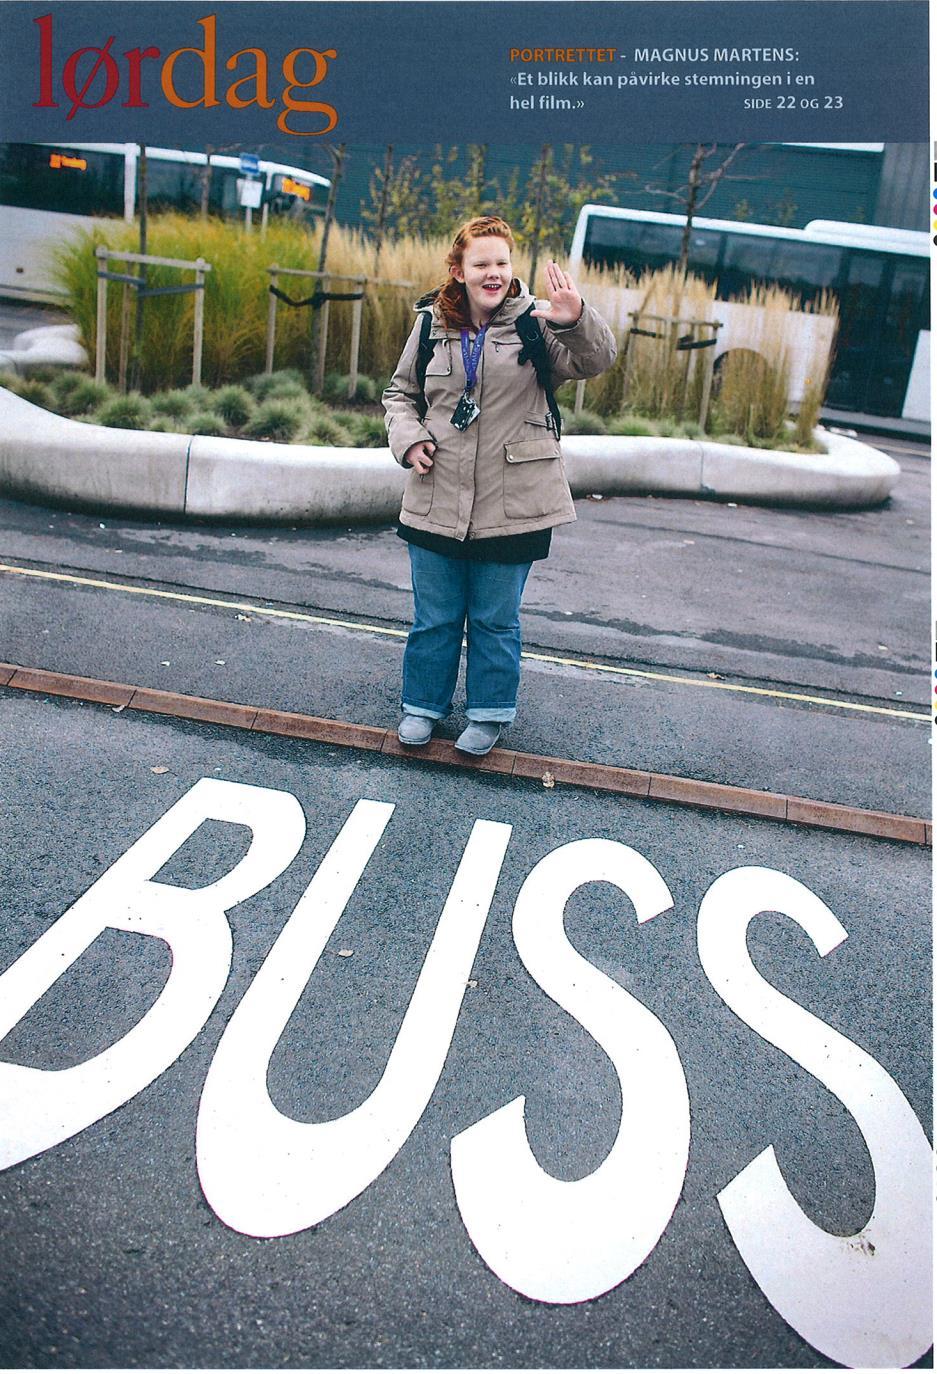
<point>424,352</point>
<point>534,350</point>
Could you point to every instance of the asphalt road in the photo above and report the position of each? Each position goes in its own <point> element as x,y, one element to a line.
<point>113,1255</point>
<point>121,1243</point>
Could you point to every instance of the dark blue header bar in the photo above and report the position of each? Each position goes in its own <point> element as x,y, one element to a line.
<point>632,72</point>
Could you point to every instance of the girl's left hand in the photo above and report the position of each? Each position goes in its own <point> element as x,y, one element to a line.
<point>565,300</point>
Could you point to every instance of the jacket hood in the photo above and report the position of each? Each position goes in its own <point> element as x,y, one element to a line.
<point>506,313</point>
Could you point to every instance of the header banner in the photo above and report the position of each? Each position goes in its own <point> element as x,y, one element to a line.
<point>633,72</point>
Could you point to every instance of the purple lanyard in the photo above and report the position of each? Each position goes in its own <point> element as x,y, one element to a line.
<point>470,359</point>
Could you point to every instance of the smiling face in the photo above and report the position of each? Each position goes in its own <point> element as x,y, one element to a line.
<point>486,273</point>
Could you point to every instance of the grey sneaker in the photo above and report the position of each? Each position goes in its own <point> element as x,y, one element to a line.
<point>415,730</point>
<point>479,736</point>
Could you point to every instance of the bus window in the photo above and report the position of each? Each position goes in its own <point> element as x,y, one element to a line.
<point>704,252</point>
<point>858,349</point>
<point>747,259</point>
<point>224,192</point>
<point>172,185</point>
<point>36,177</point>
<point>641,247</point>
<point>806,268</point>
<point>908,302</point>
<point>610,241</point>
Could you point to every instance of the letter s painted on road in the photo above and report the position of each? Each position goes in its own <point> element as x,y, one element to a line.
<point>566,1242</point>
<point>863,1300</point>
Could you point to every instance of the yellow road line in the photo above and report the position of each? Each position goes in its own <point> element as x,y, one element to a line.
<point>588,664</point>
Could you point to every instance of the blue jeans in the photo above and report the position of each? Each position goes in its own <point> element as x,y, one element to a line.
<point>450,594</point>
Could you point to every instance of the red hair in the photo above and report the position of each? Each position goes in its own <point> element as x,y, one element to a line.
<point>452,298</point>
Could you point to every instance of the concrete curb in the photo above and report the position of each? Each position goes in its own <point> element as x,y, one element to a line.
<point>48,345</point>
<point>711,796</point>
<point>46,457</point>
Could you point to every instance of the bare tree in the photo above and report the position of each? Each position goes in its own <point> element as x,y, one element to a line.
<point>338,162</point>
<point>382,209</point>
<point>698,189</point>
<point>206,183</point>
<point>143,203</point>
<point>320,334</point>
<point>545,153</point>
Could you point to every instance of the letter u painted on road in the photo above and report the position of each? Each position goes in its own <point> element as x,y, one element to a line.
<point>267,1175</point>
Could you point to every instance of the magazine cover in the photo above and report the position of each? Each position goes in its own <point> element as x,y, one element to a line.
<point>466,685</point>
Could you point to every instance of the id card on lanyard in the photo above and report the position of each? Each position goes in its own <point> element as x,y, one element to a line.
<point>468,410</point>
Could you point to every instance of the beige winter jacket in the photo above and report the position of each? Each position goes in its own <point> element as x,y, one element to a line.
<point>504,474</point>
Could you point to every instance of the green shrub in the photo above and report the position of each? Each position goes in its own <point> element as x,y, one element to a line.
<point>63,384</point>
<point>327,430</point>
<point>234,404</point>
<point>175,405</point>
<point>335,389</point>
<point>206,422</point>
<point>276,420</point>
<point>367,431</point>
<point>86,397</point>
<point>125,412</point>
<point>265,384</point>
<point>45,372</point>
<point>629,426</point>
<point>287,391</point>
<point>197,394</point>
<point>37,393</point>
<point>586,422</point>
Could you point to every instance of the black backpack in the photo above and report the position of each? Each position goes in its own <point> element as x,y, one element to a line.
<point>533,350</point>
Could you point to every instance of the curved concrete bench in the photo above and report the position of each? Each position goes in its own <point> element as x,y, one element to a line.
<point>49,345</point>
<point>46,457</point>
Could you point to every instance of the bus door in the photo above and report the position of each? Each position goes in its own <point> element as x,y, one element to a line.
<point>906,315</point>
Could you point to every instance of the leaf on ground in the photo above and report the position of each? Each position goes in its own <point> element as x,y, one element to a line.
<point>243,617</point>
<point>159,770</point>
<point>472,983</point>
<point>345,953</point>
<point>718,676</point>
<point>548,779</point>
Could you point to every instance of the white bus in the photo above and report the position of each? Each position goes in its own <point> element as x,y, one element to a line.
<point>47,187</point>
<point>880,276</point>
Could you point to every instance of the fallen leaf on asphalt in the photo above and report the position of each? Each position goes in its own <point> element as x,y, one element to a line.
<point>243,617</point>
<point>472,983</point>
<point>548,779</point>
<point>117,709</point>
<point>883,648</point>
<point>220,660</point>
<point>345,953</point>
<point>717,676</point>
<point>159,770</point>
<point>164,662</point>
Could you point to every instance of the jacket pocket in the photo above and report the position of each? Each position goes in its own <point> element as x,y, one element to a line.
<point>418,493</point>
<point>534,482</point>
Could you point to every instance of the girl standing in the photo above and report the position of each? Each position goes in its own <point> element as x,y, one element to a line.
<point>470,412</point>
